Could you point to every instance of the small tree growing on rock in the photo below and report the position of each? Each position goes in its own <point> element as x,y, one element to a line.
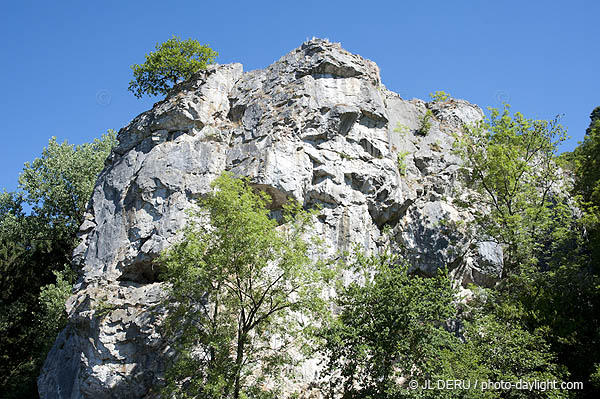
<point>439,96</point>
<point>173,61</point>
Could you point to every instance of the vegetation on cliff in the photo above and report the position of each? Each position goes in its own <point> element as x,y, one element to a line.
<point>38,226</point>
<point>237,284</point>
<point>173,61</point>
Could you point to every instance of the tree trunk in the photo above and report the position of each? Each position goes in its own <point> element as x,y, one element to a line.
<point>238,363</point>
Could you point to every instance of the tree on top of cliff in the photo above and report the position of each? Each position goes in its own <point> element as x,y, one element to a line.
<point>173,61</point>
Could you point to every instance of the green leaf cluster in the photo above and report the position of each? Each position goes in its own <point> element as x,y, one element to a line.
<point>401,162</point>
<point>401,129</point>
<point>513,164</point>
<point>439,96</point>
<point>237,280</point>
<point>38,226</point>
<point>390,326</point>
<point>173,61</point>
<point>425,123</point>
<point>58,185</point>
<point>395,327</point>
<point>586,160</point>
<point>550,287</point>
<point>52,316</point>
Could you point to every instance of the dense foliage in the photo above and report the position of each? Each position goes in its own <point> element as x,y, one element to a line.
<point>391,326</point>
<point>173,61</point>
<point>586,159</point>
<point>396,329</point>
<point>236,282</point>
<point>579,289</point>
<point>38,225</point>
<point>550,286</point>
<point>512,163</point>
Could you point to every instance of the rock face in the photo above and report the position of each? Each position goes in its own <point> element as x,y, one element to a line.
<point>317,126</point>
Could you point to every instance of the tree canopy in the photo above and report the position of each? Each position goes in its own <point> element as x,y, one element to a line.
<point>397,331</point>
<point>38,226</point>
<point>586,159</point>
<point>512,163</point>
<point>173,61</point>
<point>390,328</point>
<point>550,287</point>
<point>236,281</point>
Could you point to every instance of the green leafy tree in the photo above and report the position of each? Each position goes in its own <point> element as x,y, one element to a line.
<point>394,328</point>
<point>586,158</point>
<point>576,299</point>
<point>237,280</point>
<point>390,329</point>
<point>548,288</point>
<point>439,96</point>
<point>35,247</point>
<point>59,183</point>
<point>173,61</point>
<point>501,344</point>
<point>497,350</point>
<point>562,305</point>
<point>513,165</point>
<point>51,317</point>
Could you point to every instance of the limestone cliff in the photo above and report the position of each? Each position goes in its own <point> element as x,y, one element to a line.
<point>317,125</point>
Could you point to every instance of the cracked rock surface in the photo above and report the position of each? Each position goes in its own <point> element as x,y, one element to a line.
<point>317,126</point>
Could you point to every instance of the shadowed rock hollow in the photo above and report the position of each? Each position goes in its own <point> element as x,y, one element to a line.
<point>317,126</point>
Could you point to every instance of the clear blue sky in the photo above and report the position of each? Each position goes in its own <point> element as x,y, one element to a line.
<point>65,65</point>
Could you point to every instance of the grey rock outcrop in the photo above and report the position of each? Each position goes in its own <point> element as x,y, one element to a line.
<point>317,126</point>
